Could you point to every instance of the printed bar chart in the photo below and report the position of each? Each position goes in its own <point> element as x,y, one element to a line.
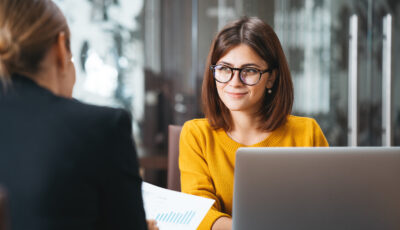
<point>176,218</point>
<point>174,210</point>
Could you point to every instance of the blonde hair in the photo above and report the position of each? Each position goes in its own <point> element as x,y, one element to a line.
<point>28,28</point>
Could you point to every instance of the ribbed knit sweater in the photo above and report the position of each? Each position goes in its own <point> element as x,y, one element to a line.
<point>207,158</point>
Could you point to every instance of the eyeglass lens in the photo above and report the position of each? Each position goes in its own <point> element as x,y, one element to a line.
<point>249,76</point>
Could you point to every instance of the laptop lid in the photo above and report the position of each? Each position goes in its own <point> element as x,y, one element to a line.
<point>317,188</point>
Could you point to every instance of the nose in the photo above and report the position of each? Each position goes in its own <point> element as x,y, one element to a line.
<point>235,81</point>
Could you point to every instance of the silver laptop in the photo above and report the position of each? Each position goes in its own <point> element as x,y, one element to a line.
<point>317,188</point>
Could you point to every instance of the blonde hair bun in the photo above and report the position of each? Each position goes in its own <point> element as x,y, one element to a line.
<point>9,52</point>
<point>28,28</point>
<point>8,48</point>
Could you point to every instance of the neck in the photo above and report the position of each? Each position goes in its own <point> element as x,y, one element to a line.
<point>245,129</point>
<point>47,76</point>
<point>46,79</point>
<point>243,121</point>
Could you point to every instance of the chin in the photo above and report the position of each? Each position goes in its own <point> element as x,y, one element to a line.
<point>236,107</point>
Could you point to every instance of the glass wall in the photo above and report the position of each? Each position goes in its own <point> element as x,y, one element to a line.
<point>108,49</point>
<point>339,55</point>
<point>149,56</point>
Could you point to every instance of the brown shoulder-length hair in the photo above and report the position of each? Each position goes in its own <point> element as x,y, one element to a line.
<point>28,28</point>
<point>262,39</point>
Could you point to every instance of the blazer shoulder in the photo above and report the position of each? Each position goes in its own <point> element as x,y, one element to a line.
<point>92,117</point>
<point>84,110</point>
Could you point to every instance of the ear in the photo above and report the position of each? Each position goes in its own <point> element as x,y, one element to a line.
<point>62,53</point>
<point>271,79</point>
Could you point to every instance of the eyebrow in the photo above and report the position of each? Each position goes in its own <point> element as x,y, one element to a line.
<point>244,65</point>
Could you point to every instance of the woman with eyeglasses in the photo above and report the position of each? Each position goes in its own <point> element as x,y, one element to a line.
<point>247,97</point>
<point>64,164</point>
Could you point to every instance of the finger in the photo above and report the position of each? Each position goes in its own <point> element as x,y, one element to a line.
<point>151,222</point>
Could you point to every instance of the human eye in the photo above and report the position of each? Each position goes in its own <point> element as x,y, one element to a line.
<point>250,71</point>
<point>223,68</point>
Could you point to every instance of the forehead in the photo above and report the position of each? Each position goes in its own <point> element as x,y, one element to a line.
<point>241,55</point>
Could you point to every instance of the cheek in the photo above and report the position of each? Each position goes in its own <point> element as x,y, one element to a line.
<point>220,90</point>
<point>259,92</point>
<point>262,87</point>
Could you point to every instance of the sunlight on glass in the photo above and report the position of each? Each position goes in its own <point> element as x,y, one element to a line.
<point>101,78</point>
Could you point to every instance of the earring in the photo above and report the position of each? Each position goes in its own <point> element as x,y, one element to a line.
<point>269,91</point>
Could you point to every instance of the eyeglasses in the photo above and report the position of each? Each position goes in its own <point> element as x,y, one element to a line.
<point>248,76</point>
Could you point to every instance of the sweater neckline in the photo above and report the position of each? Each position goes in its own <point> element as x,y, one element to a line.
<point>271,140</point>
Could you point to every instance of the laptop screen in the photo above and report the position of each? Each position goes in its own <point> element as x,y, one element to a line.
<point>317,188</point>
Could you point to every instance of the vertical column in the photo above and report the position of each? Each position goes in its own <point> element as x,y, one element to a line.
<point>353,80</point>
<point>387,81</point>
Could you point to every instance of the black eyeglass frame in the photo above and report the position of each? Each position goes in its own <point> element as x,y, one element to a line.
<point>261,72</point>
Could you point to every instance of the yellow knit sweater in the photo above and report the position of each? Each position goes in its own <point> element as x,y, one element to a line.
<point>207,158</point>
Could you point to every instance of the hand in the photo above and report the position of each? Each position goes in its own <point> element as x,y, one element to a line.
<point>222,223</point>
<point>152,225</point>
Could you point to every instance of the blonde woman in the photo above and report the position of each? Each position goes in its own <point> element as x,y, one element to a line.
<point>65,164</point>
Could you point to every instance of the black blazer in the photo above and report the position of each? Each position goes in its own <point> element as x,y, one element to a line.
<point>65,164</point>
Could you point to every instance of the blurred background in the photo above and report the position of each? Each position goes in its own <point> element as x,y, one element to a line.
<point>148,56</point>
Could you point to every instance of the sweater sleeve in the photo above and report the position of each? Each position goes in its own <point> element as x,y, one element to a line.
<point>319,137</point>
<point>195,175</point>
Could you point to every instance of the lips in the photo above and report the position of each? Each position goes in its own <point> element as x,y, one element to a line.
<point>236,94</point>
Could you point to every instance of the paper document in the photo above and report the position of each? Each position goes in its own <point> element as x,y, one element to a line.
<point>174,210</point>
